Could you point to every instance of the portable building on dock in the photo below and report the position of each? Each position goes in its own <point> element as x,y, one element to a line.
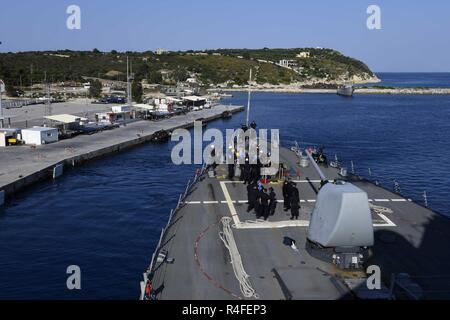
<point>194,101</point>
<point>39,135</point>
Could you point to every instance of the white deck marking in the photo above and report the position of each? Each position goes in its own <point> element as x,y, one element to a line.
<point>308,181</point>
<point>233,212</point>
<point>296,181</point>
<point>261,224</point>
<point>388,223</point>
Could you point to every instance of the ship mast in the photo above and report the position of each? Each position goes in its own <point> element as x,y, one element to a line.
<point>128,83</point>
<point>249,97</point>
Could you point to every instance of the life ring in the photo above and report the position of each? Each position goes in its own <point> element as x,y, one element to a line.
<point>148,290</point>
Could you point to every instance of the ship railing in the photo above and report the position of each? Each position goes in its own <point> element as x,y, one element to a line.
<point>173,212</point>
<point>390,183</point>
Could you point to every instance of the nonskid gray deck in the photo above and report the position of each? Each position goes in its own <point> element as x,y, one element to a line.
<point>411,240</point>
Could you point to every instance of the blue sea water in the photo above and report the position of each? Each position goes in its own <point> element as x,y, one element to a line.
<point>413,80</point>
<point>106,216</point>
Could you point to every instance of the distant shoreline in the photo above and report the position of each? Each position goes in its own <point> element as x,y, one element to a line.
<point>375,91</point>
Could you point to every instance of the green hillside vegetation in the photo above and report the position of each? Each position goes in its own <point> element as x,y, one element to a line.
<point>320,62</point>
<point>211,67</point>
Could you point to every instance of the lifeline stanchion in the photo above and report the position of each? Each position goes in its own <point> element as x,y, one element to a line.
<point>170,218</point>
<point>353,167</point>
<point>150,268</point>
<point>187,189</point>
<point>370,173</point>
<point>179,202</point>
<point>425,199</point>
<point>160,238</point>
<point>196,176</point>
<point>397,187</point>
<point>158,247</point>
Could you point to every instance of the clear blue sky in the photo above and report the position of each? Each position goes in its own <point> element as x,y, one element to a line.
<point>414,35</point>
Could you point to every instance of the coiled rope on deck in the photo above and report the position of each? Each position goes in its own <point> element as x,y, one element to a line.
<point>226,235</point>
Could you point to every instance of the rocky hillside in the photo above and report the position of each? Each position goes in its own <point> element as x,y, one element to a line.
<point>222,67</point>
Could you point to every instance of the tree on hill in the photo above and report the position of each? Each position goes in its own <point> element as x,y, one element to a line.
<point>155,77</point>
<point>11,91</point>
<point>95,89</point>
<point>136,91</point>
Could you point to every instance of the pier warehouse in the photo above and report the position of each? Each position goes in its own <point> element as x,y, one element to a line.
<point>117,114</point>
<point>65,122</point>
<point>194,101</point>
<point>39,135</point>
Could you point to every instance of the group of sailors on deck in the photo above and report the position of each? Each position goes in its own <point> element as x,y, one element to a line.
<point>264,202</point>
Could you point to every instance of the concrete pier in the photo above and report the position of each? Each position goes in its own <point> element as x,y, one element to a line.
<point>21,166</point>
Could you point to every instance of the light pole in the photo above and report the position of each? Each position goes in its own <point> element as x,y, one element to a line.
<point>2,88</point>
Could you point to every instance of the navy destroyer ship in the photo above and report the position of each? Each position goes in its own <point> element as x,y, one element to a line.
<point>353,239</point>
